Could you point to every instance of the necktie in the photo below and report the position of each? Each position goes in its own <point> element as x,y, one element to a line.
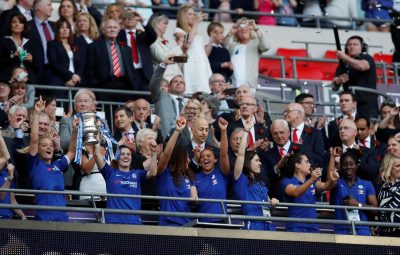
<point>115,60</point>
<point>46,32</point>
<point>135,54</point>
<point>363,143</point>
<point>180,104</point>
<point>251,140</point>
<point>281,152</point>
<point>295,139</point>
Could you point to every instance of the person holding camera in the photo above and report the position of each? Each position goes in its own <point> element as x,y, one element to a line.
<point>245,43</point>
<point>357,68</point>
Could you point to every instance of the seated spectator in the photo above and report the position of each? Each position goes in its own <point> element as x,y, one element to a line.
<point>19,94</point>
<point>249,186</point>
<point>86,30</point>
<point>45,173</point>
<point>162,48</point>
<point>389,194</point>
<point>377,9</point>
<point>212,181</point>
<point>218,55</point>
<point>175,179</point>
<point>390,122</point>
<point>218,85</point>
<point>299,185</point>
<point>68,11</point>
<point>197,69</point>
<point>16,49</point>
<point>351,190</point>
<point>124,180</point>
<point>286,7</point>
<point>348,108</point>
<point>67,62</point>
<point>269,6</point>
<point>245,43</point>
<point>305,136</point>
<point>344,9</point>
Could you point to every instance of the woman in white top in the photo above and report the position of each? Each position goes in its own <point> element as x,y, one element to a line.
<point>197,70</point>
<point>162,48</point>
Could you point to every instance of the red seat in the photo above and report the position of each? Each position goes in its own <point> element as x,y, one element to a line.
<point>307,73</point>
<point>287,53</point>
<point>270,67</point>
<point>387,59</point>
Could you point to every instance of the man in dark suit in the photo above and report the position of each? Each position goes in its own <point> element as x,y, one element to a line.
<point>23,7</point>
<point>369,167</point>
<point>110,64</point>
<point>140,42</point>
<point>141,118</point>
<point>41,32</point>
<point>348,106</point>
<point>304,135</point>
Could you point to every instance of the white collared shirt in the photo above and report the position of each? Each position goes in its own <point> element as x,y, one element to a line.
<point>131,134</point>
<point>298,132</point>
<point>27,13</point>
<point>252,131</point>
<point>285,147</point>
<point>367,142</point>
<point>174,98</point>
<point>345,148</point>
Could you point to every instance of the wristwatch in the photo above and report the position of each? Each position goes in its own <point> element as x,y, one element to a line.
<point>10,178</point>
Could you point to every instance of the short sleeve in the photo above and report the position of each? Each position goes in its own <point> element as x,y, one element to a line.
<point>370,190</point>
<point>106,171</point>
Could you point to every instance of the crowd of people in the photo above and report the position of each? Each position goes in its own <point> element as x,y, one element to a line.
<point>206,146</point>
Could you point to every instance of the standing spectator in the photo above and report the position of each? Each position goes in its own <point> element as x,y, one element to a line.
<point>390,122</point>
<point>269,6</point>
<point>45,173</point>
<point>377,9</point>
<point>299,185</point>
<point>345,9</point>
<point>41,32</point>
<point>139,40</point>
<point>218,55</point>
<point>23,7</point>
<point>68,11</point>
<point>16,49</point>
<point>6,5</point>
<point>351,190</point>
<point>240,6</point>
<point>144,12</point>
<point>110,63</point>
<point>197,70</point>
<point>113,11</point>
<point>67,62</point>
<point>166,3</point>
<point>162,48</point>
<point>394,146</point>
<point>86,30</point>
<point>249,186</point>
<point>124,132</point>
<point>358,70</point>
<point>246,43</point>
<point>389,194</point>
<point>175,179</point>
<point>286,7</point>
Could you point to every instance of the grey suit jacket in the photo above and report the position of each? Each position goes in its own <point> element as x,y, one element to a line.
<point>164,103</point>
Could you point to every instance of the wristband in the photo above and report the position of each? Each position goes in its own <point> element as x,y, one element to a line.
<point>19,133</point>
<point>10,178</point>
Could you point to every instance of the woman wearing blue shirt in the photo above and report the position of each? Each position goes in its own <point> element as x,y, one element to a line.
<point>212,181</point>
<point>175,179</point>
<point>47,174</point>
<point>352,191</point>
<point>6,182</point>
<point>249,186</point>
<point>124,180</point>
<point>299,186</point>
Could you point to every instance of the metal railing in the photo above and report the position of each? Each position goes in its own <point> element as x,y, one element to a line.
<point>227,217</point>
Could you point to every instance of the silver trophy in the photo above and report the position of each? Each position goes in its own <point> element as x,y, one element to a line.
<point>89,128</point>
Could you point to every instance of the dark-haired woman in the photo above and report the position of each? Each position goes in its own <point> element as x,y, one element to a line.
<point>212,181</point>
<point>299,185</point>
<point>15,49</point>
<point>174,179</point>
<point>390,122</point>
<point>249,186</point>
<point>66,61</point>
<point>352,191</point>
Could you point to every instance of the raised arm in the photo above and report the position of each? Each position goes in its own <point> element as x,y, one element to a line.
<point>223,157</point>
<point>242,150</point>
<point>165,156</point>
<point>72,145</point>
<point>100,162</point>
<point>4,154</point>
<point>385,122</point>
<point>34,136</point>
<point>296,191</point>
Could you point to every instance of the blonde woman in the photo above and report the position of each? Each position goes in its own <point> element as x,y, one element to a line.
<point>86,30</point>
<point>197,70</point>
<point>389,194</point>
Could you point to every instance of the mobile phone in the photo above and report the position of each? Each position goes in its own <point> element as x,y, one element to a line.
<point>59,111</point>
<point>185,38</point>
<point>180,59</point>
<point>230,91</point>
